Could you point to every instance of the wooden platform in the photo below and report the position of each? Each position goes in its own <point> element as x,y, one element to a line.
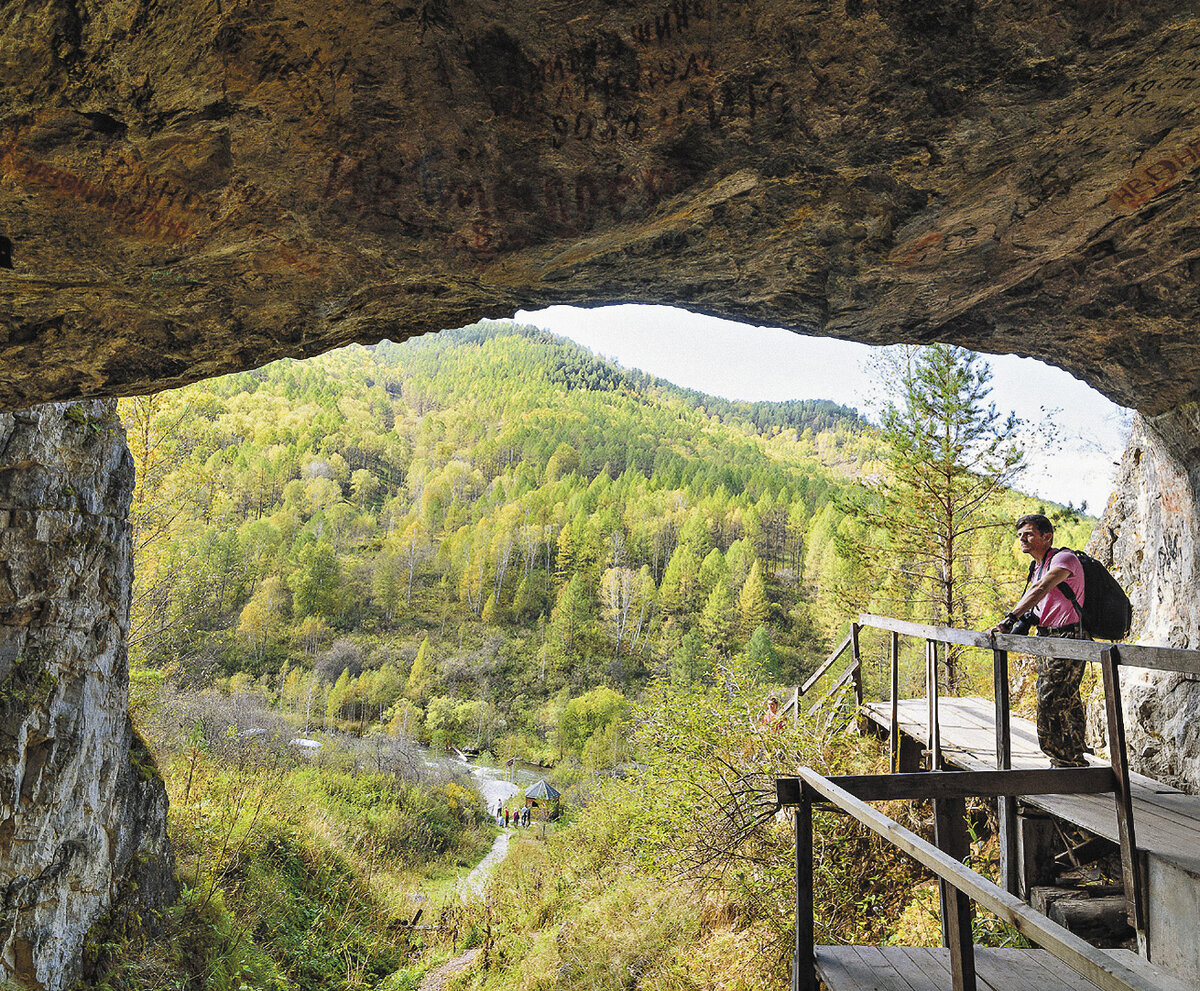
<point>1167,821</point>
<point>918,968</point>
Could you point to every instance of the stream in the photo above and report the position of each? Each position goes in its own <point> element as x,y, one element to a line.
<point>492,782</point>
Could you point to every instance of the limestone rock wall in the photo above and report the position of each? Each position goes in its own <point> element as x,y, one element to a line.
<point>82,824</point>
<point>1150,535</point>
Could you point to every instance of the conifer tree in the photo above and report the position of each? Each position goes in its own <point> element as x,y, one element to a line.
<point>338,695</point>
<point>712,570</point>
<point>570,614</point>
<point>386,583</point>
<point>317,583</point>
<point>678,591</point>
<point>716,621</point>
<point>526,602</point>
<point>421,676</point>
<point>760,655</point>
<point>951,454</point>
<point>687,663</point>
<point>753,607</point>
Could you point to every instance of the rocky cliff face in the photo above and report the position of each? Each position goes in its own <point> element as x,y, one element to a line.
<point>1149,533</point>
<point>82,809</point>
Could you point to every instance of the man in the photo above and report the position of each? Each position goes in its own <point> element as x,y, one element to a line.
<point>1060,718</point>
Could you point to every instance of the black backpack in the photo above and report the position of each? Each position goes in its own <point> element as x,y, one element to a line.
<point>1106,612</point>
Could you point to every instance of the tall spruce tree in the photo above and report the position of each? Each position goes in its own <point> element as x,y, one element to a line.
<point>951,453</point>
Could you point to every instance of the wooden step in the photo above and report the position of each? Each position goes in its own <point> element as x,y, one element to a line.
<point>920,968</point>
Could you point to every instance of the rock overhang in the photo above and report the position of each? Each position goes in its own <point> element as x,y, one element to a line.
<point>196,189</point>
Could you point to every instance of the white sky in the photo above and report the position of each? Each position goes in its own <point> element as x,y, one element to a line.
<point>738,361</point>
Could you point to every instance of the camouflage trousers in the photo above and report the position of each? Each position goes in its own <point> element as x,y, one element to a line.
<point>1060,718</point>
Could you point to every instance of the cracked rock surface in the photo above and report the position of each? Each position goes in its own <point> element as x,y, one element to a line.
<point>1150,537</point>
<point>191,188</point>
<point>82,823</point>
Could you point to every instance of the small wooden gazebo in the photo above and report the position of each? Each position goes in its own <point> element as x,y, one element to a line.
<point>541,792</point>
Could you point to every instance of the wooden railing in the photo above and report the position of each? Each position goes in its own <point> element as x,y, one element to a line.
<point>959,884</point>
<point>1109,656</point>
<point>852,673</point>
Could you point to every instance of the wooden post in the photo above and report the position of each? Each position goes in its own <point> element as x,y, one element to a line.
<point>804,970</point>
<point>1006,805</point>
<point>856,665</point>
<point>894,728</point>
<point>950,831</point>
<point>1131,869</point>
<point>931,691</point>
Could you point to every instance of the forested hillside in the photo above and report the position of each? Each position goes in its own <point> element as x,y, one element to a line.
<point>461,536</point>
<point>491,538</point>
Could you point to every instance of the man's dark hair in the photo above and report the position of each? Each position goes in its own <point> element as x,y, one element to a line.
<point>1038,520</point>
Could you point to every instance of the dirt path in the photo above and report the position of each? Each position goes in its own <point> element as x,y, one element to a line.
<point>471,885</point>
<point>474,882</point>
<point>435,980</point>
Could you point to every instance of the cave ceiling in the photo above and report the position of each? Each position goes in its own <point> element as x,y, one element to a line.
<point>190,188</point>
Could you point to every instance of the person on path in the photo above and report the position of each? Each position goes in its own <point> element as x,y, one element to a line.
<point>772,718</point>
<point>1060,717</point>
<point>506,814</point>
<point>525,817</point>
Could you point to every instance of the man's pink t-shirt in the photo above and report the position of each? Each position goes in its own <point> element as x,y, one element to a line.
<point>1056,609</point>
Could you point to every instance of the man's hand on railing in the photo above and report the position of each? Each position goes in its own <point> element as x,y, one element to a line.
<point>1004,626</point>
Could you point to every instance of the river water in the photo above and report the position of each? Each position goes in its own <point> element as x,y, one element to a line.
<point>494,783</point>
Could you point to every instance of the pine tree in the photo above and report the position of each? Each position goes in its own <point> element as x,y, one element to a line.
<point>316,586</point>
<point>951,454</point>
<point>760,655</point>
<point>716,621</point>
<point>526,603</point>
<point>712,570</point>
<point>753,607</point>
<point>571,613</point>
<point>687,663</point>
<point>678,591</point>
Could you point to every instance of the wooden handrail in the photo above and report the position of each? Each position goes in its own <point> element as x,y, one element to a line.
<point>833,690</point>
<point>793,704</point>
<point>1098,967</point>
<point>1178,659</point>
<point>963,784</point>
<point>828,663</point>
<point>1110,656</point>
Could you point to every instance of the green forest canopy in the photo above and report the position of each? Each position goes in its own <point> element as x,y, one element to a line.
<point>490,535</point>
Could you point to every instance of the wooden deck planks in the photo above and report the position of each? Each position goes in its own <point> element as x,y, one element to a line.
<point>1167,821</point>
<point>883,971</point>
<point>918,968</point>
<point>1168,982</point>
